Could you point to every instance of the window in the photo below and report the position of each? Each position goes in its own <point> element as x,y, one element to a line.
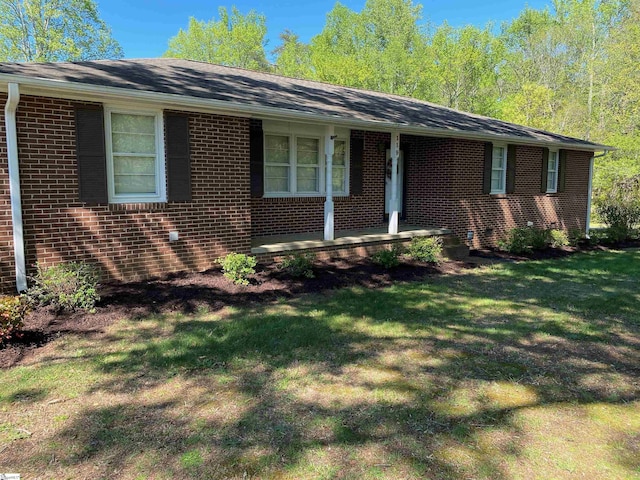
<point>277,164</point>
<point>340,166</point>
<point>552,172</point>
<point>135,156</point>
<point>294,165</point>
<point>308,165</point>
<point>498,169</point>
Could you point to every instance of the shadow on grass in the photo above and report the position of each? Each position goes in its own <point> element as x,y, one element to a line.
<point>405,382</point>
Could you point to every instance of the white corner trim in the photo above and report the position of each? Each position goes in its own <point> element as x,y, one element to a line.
<point>14,184</point>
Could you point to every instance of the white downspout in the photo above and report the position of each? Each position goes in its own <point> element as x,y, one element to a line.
<point>393,201</point>
<point>590,193</point>
<point>14,184</point>
<point>329,228</point>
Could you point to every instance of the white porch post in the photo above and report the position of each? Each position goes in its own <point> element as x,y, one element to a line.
<point>393,201</point>
<point>328,203</point>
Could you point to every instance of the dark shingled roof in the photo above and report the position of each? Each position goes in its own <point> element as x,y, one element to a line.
<point>249,88</point>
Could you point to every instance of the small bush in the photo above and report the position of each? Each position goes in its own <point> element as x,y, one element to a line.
<point>517,241</point>
<point>576,236</point>
<point>299,265</point>
<point>237,267</point>
<point>528,239</point>
<point>617,233</point>
<point>619,208</point>
<point>559,238</point>
<point>387,258</point>
<point>12,313</point>
<point>426,249</point>
<point>66,286</point>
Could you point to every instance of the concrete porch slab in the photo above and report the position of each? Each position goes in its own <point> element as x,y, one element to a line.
<point>304,241</point>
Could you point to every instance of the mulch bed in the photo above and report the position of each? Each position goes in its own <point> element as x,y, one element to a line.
<point>189,292</point>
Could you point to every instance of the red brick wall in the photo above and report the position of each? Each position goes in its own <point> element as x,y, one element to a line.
<point>274,216</point>
<point>7,265</point>
<point>444,189</point>
<point>126,241</point>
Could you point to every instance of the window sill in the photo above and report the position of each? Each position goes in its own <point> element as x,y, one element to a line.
<point>498,195</point>
<point>137,206</point>
<point>302,196</point>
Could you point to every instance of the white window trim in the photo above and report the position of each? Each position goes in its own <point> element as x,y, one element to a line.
<point>504,170</point>
<point>161,182</point>
<point>553,190</point>
<point>293,165</point>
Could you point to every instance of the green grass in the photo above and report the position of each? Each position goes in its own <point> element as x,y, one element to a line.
<point>527,370</point>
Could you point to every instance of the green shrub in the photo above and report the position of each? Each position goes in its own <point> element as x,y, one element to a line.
<point>575,236</point>
<point>426,249</point>
<point>237,267</point>
<point>558,238</point>
<point>12,313</point>
<point>299,265</point>
<point>387,258</point>
<point>617,233</point>
<point>619,208</point>
<point>540,238</point>
<point>66,286</point>
<point>517,241</point>
<point>597,236</point>
<point>526,239</point>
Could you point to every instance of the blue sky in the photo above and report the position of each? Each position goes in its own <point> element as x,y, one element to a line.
<point>143,27</point>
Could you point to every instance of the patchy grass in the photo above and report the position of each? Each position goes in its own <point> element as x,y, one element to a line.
<point>525,370</point>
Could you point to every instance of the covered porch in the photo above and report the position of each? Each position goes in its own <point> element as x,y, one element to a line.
<point>290,243</point>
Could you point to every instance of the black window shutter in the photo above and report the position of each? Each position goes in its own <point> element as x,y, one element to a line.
<point>91,154</point>
<point>488,157</point>
<point>562,170</point>
<point>355,163</point>
<point>178,157</point>
<point>256,159</point>
<point>511,168</point>
<point>545,170</point>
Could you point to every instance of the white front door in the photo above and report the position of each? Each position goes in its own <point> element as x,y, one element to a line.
<point>387,182</point>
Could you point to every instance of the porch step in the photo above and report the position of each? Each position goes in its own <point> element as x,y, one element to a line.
<point>290,243</point>
<point>453,248</point>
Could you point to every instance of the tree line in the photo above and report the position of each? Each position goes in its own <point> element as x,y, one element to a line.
<point>571,68</point>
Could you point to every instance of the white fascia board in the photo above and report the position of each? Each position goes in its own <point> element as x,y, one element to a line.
<point>87,92</point>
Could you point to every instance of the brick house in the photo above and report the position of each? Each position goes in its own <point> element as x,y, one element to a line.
<point>153,166</point>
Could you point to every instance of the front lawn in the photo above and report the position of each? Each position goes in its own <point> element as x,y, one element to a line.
<point>520,370</point>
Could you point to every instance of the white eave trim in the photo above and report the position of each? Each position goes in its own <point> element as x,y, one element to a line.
<point>82,91</point>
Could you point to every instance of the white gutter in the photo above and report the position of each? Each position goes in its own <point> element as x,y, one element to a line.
<point>14,184</point>
<point>82,91</point>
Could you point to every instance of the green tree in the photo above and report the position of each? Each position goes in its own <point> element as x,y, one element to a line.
<point>293,58</point>
<point>337,52</point>
<point>465,68</point>
<point>619,120</point>
<point>535,62</point>
<point>54,30</point>
<point>235,40</point>
<point>382,48</point>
